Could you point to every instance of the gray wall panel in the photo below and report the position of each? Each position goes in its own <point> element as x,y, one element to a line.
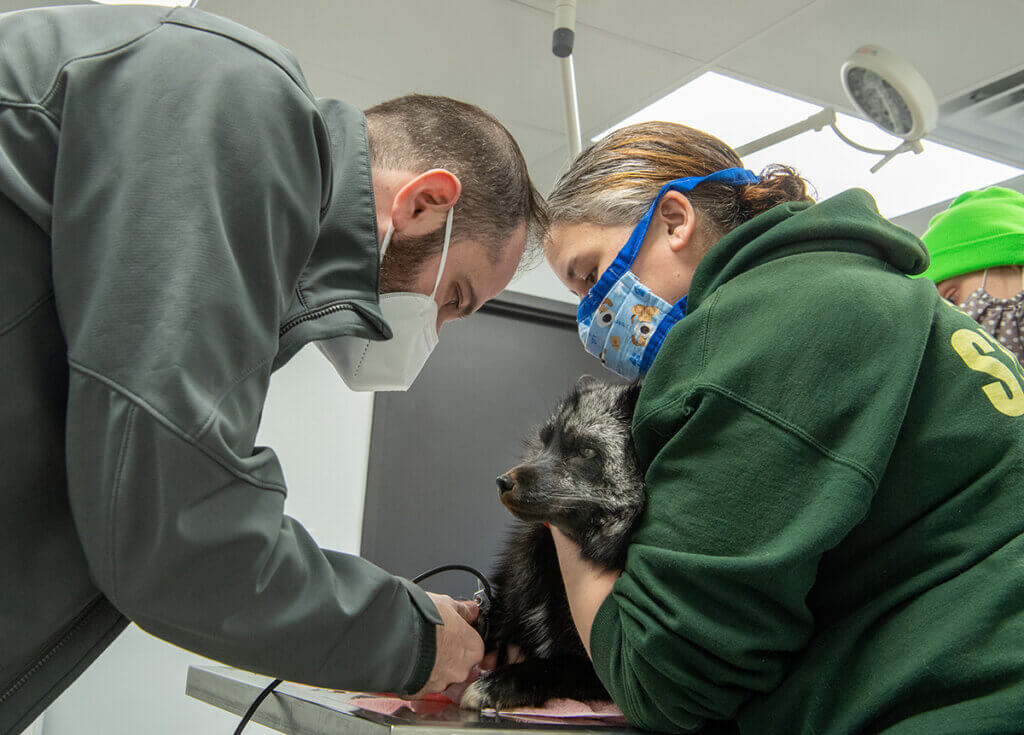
<point>435,451</point>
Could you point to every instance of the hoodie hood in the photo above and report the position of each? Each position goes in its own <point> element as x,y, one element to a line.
<point>847,222</point>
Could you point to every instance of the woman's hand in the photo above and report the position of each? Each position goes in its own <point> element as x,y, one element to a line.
<point>586,585</point>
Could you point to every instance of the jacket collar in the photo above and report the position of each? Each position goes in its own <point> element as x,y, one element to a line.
<point>337,293</point>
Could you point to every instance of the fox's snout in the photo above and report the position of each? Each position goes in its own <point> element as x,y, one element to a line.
<point>506,482</point>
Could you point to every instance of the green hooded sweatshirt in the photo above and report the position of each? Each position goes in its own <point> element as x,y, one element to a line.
<point>179,216</point>
<point>834,537</point>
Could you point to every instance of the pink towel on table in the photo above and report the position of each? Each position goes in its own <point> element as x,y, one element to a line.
<point>578,713</point>
<point>391,705</point>
<point>569,709</point>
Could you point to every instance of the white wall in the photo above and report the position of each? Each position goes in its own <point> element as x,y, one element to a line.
<point>321,432</point>
<point>541,281</point>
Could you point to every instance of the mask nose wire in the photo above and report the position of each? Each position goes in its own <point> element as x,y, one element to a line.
<point>444,251</point>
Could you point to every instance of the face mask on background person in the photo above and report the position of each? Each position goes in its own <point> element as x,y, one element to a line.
<point>392,365</point>
<point>1002,318</point>
<point>621,321</point>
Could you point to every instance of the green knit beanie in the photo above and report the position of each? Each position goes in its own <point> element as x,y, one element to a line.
<point>981,229</point>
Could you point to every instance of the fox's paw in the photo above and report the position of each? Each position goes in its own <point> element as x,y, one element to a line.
<point>501,689</point>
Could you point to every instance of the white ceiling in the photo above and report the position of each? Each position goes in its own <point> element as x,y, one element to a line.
<point>494,53</point>
<point>955,45</point>
<point>497,53</point>
<point>628,53</point>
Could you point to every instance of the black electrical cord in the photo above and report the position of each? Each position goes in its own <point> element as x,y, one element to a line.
<point>255,705</point>
<point>483,599</point>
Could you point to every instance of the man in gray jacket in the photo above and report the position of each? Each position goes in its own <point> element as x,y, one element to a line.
<point>178,217</point>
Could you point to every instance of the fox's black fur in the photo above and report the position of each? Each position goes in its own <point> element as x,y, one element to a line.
<point>580,474</point>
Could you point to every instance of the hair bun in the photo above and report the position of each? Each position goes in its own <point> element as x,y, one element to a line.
<point>778,184</point>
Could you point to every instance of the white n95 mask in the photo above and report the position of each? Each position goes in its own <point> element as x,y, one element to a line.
<point>368,365</point>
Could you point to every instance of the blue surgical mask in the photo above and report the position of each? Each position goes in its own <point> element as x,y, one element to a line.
<point>621,321</point>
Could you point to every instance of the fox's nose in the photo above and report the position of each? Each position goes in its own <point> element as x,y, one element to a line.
<point>505,483</point>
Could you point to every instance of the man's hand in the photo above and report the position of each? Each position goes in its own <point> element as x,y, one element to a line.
<point>513,655</point>
<point>459,647</point>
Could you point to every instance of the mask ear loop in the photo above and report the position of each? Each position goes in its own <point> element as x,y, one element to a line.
<point>984,278</point>
<point>444,251</point>
<point>387,240</point>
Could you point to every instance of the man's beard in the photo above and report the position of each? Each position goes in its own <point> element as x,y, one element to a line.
<point>404,260</point>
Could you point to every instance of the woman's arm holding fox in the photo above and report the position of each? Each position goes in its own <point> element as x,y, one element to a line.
<point>586,585</point>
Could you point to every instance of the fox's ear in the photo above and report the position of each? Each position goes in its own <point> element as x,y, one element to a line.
<point>586,381</point>
<point>628,398</point>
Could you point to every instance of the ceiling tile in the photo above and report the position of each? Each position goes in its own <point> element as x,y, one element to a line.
<point>953,44</point>
<point>694,28</point>
<point>493,53</point>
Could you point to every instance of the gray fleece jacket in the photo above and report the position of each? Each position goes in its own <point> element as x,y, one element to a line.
<point>178,217</point>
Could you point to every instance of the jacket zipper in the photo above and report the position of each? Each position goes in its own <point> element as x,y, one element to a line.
<point>311,315</point>
<point>49,654</point>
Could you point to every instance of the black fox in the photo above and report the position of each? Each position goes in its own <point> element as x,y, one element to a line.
<point>581,475</point>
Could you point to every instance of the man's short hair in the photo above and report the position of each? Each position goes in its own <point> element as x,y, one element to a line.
<point>420,132</point>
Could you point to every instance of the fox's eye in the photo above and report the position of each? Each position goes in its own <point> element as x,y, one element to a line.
<point>586,452</point>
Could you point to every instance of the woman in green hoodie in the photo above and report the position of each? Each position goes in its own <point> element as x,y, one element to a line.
<point>834,535</point>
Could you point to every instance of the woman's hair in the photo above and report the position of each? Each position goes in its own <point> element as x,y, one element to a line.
<point>614,181</point>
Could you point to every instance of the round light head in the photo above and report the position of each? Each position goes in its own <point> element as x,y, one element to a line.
<point>890,93</point>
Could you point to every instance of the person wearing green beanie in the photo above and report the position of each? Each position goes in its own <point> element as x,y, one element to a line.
<point>977,249</point>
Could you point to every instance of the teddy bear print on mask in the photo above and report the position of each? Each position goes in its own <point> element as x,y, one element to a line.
<point>615,342</point>
<point>641,321</point>
<point>605,317</point>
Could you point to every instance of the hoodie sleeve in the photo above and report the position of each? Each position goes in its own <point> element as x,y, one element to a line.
<point>711,604</point>
<point>187,197</point>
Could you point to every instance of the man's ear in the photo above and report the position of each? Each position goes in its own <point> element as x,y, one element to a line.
<point>675,216</point>
<point>421,205</point>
